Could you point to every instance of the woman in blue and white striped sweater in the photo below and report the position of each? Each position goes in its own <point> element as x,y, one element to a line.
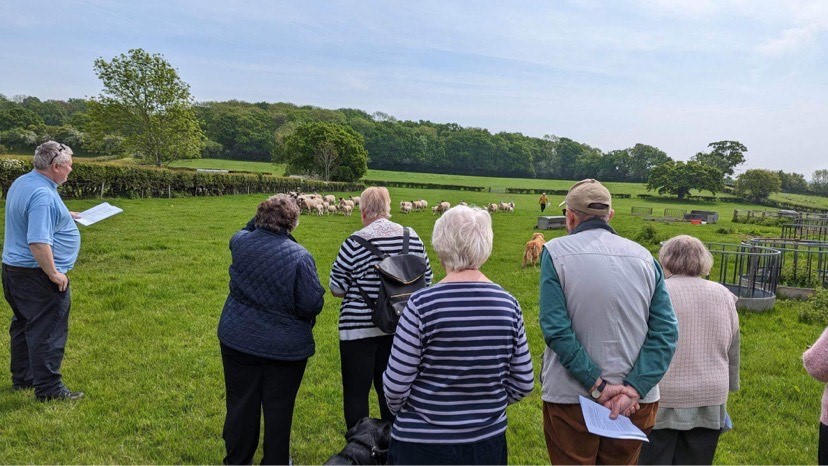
<point>459,357</point>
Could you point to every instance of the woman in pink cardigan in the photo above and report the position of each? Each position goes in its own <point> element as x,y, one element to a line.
<point>692,410</point>
<point>816,363</point>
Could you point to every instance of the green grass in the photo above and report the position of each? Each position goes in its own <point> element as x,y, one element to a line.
<point>148,290</point>
<point>819,202</point>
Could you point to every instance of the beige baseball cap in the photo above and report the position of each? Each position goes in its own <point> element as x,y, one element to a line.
<point>586,192</point>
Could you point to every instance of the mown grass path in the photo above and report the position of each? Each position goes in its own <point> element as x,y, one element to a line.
<point>148,291</point>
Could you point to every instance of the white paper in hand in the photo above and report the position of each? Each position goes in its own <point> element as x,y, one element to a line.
<point>598,422</point>
<point>97,213</point>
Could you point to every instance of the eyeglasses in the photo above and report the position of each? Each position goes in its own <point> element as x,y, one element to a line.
<point>59,151</point>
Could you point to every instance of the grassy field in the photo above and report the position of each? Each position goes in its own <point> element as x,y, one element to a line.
<point>148,290</point>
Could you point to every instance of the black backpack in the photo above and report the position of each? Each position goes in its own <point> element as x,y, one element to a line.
<point>400,275</point>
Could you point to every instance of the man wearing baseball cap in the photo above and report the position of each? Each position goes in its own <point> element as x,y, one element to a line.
<point>609,327</point>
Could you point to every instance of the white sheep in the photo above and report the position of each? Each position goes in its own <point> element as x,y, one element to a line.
<point>405,207</point>
<point>492,208</point>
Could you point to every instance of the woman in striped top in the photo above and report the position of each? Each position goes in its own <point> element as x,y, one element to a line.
<point>364,348</point>
<point>459,357</point>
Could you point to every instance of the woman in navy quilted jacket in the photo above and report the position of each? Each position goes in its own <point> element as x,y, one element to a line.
<point>266,331</point>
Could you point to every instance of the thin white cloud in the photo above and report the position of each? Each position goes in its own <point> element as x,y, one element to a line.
<point>790,41</point>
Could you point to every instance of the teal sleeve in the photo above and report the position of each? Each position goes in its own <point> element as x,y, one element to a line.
<point>557,327</point>
<point>662,335</point>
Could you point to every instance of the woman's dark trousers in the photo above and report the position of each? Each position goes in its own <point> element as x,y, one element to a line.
<point>255,384</point>
<point>823,444</point>
<point>670,446</point>
<point>492,450</point>
<point>362,362</point>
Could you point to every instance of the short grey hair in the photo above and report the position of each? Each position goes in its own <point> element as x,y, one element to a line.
<point>463,238</point>
<point>375,202</point>
<point>51,152</point>
<point>686,255</point>
<point>583,216</point>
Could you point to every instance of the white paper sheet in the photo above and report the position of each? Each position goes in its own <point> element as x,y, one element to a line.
<point>98,213</point>
<point>598,422</point>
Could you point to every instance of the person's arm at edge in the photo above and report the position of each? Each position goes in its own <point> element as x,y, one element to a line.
<point>815,358</point>
<point>660,344</point>
<point>308,292</point>
<point>734,352</point>
<point>404,361</point>
<point>557,327</point>
<point>339,274</point>
<point>521,380</point>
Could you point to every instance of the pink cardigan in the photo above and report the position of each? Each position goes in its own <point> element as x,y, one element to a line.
<point>816,363</point>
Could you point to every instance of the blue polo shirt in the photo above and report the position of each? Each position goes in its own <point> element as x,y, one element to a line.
<point>35,213</point>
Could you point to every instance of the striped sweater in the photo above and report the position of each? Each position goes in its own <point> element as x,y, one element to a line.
<point>354,269</point>
<point>459,358</point>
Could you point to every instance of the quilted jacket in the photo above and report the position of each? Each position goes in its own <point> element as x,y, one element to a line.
<point>275,296</point>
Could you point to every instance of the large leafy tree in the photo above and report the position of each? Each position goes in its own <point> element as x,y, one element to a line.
<point>724,155</point>
<point>327,150</point>
<point>756,185</point>
<point>18,117</point>
<point>819,181</point>
<point>642,159</point>
<point>792,182</point>
<point>145,102</point>
<point>679,178</point>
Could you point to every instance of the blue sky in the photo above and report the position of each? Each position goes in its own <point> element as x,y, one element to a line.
<point>676,74</point>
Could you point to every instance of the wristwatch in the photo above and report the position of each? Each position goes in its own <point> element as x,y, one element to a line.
<point>596,393</point>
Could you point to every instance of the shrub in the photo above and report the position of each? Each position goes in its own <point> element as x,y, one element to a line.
<point>648,235</point>
<point>89,179</point>
<point>815,310</point>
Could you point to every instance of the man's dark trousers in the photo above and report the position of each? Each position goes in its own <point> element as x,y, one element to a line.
<point>39,328</point>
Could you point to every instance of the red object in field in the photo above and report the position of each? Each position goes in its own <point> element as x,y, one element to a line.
<point>696,221</point>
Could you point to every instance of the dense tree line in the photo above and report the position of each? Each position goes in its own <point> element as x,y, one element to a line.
<point>261,132</point>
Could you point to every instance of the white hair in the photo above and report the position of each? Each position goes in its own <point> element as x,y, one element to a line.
<point>463,238</point>
<point>51,152</point>
<point>686,255</point>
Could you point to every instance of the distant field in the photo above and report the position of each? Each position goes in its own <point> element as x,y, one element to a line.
<point>820,202</point>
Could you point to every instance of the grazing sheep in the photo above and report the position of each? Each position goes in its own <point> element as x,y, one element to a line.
<point>405,207</point>
<point>356,200</point>
<point>346,210</point>
<point>492,208</point>
<point>425,203</point>
<point>435,209</point>
<point>463,203</point>
<point>332,209</point>
<point>344,202</point>
<point>320,209</point>
<point>444,207</point>
<point>503,206</point>
<point>330,198</point>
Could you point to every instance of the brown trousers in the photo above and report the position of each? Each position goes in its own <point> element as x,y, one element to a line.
<point>569,442</point>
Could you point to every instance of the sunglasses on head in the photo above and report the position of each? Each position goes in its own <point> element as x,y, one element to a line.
<point>59,151</point>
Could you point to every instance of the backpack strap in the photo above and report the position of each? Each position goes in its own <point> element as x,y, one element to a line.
<point>375,251</point>
<point>370,247</point>
<point>406,236</point>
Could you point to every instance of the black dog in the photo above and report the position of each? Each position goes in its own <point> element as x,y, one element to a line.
<point>367,443</point>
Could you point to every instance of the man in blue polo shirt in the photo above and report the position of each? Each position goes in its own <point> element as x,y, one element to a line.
<point>41,244</point>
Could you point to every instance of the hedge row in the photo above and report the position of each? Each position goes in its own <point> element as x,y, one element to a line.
<point>100,179</point>
<point>412,184</point>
